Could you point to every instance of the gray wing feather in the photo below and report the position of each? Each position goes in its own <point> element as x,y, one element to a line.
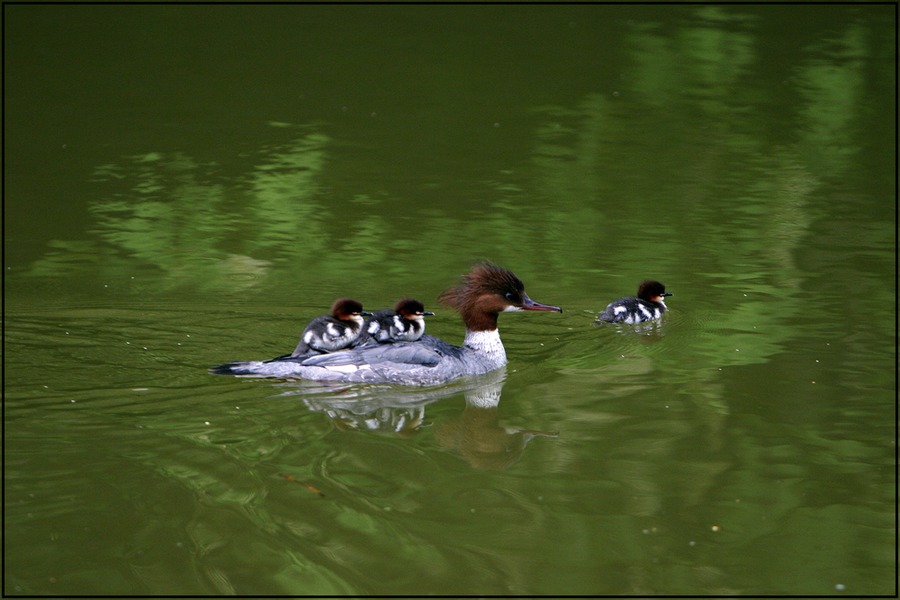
<point>410,353</point>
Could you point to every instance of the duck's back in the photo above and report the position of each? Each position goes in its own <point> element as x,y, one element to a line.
<point>429,361</point>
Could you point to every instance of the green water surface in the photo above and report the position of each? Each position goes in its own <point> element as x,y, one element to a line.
<point>189,185</point>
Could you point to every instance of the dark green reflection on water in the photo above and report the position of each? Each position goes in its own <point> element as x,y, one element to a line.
<point>187,185</point>
<point>695,88</point>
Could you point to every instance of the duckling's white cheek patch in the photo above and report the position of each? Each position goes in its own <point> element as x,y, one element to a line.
<point>618,310</point>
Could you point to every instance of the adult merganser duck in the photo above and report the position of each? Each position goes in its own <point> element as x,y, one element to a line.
<point>646,306</point>
<point>405,323</point>
<point>485,292</point>
<point>334,331</point>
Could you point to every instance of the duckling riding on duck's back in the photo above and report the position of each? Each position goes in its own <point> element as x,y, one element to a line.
<point>332,332</point>
<point>405,323</point>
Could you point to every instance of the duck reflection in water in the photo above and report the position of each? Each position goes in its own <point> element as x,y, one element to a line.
<point>476,434</point>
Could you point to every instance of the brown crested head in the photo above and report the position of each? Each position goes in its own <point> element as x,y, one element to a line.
<point>347,308</point>
<point>486,284</point>
<point>485,291</point>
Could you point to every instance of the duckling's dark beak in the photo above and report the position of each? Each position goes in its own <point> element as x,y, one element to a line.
<point>667,293</point>
<point>365,313</point>
<point>427,313</point>
<point>529,304</point>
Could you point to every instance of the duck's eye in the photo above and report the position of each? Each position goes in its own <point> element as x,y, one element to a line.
<point>510,296</point>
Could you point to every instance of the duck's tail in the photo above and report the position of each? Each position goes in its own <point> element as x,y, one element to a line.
<point>233,368</point>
